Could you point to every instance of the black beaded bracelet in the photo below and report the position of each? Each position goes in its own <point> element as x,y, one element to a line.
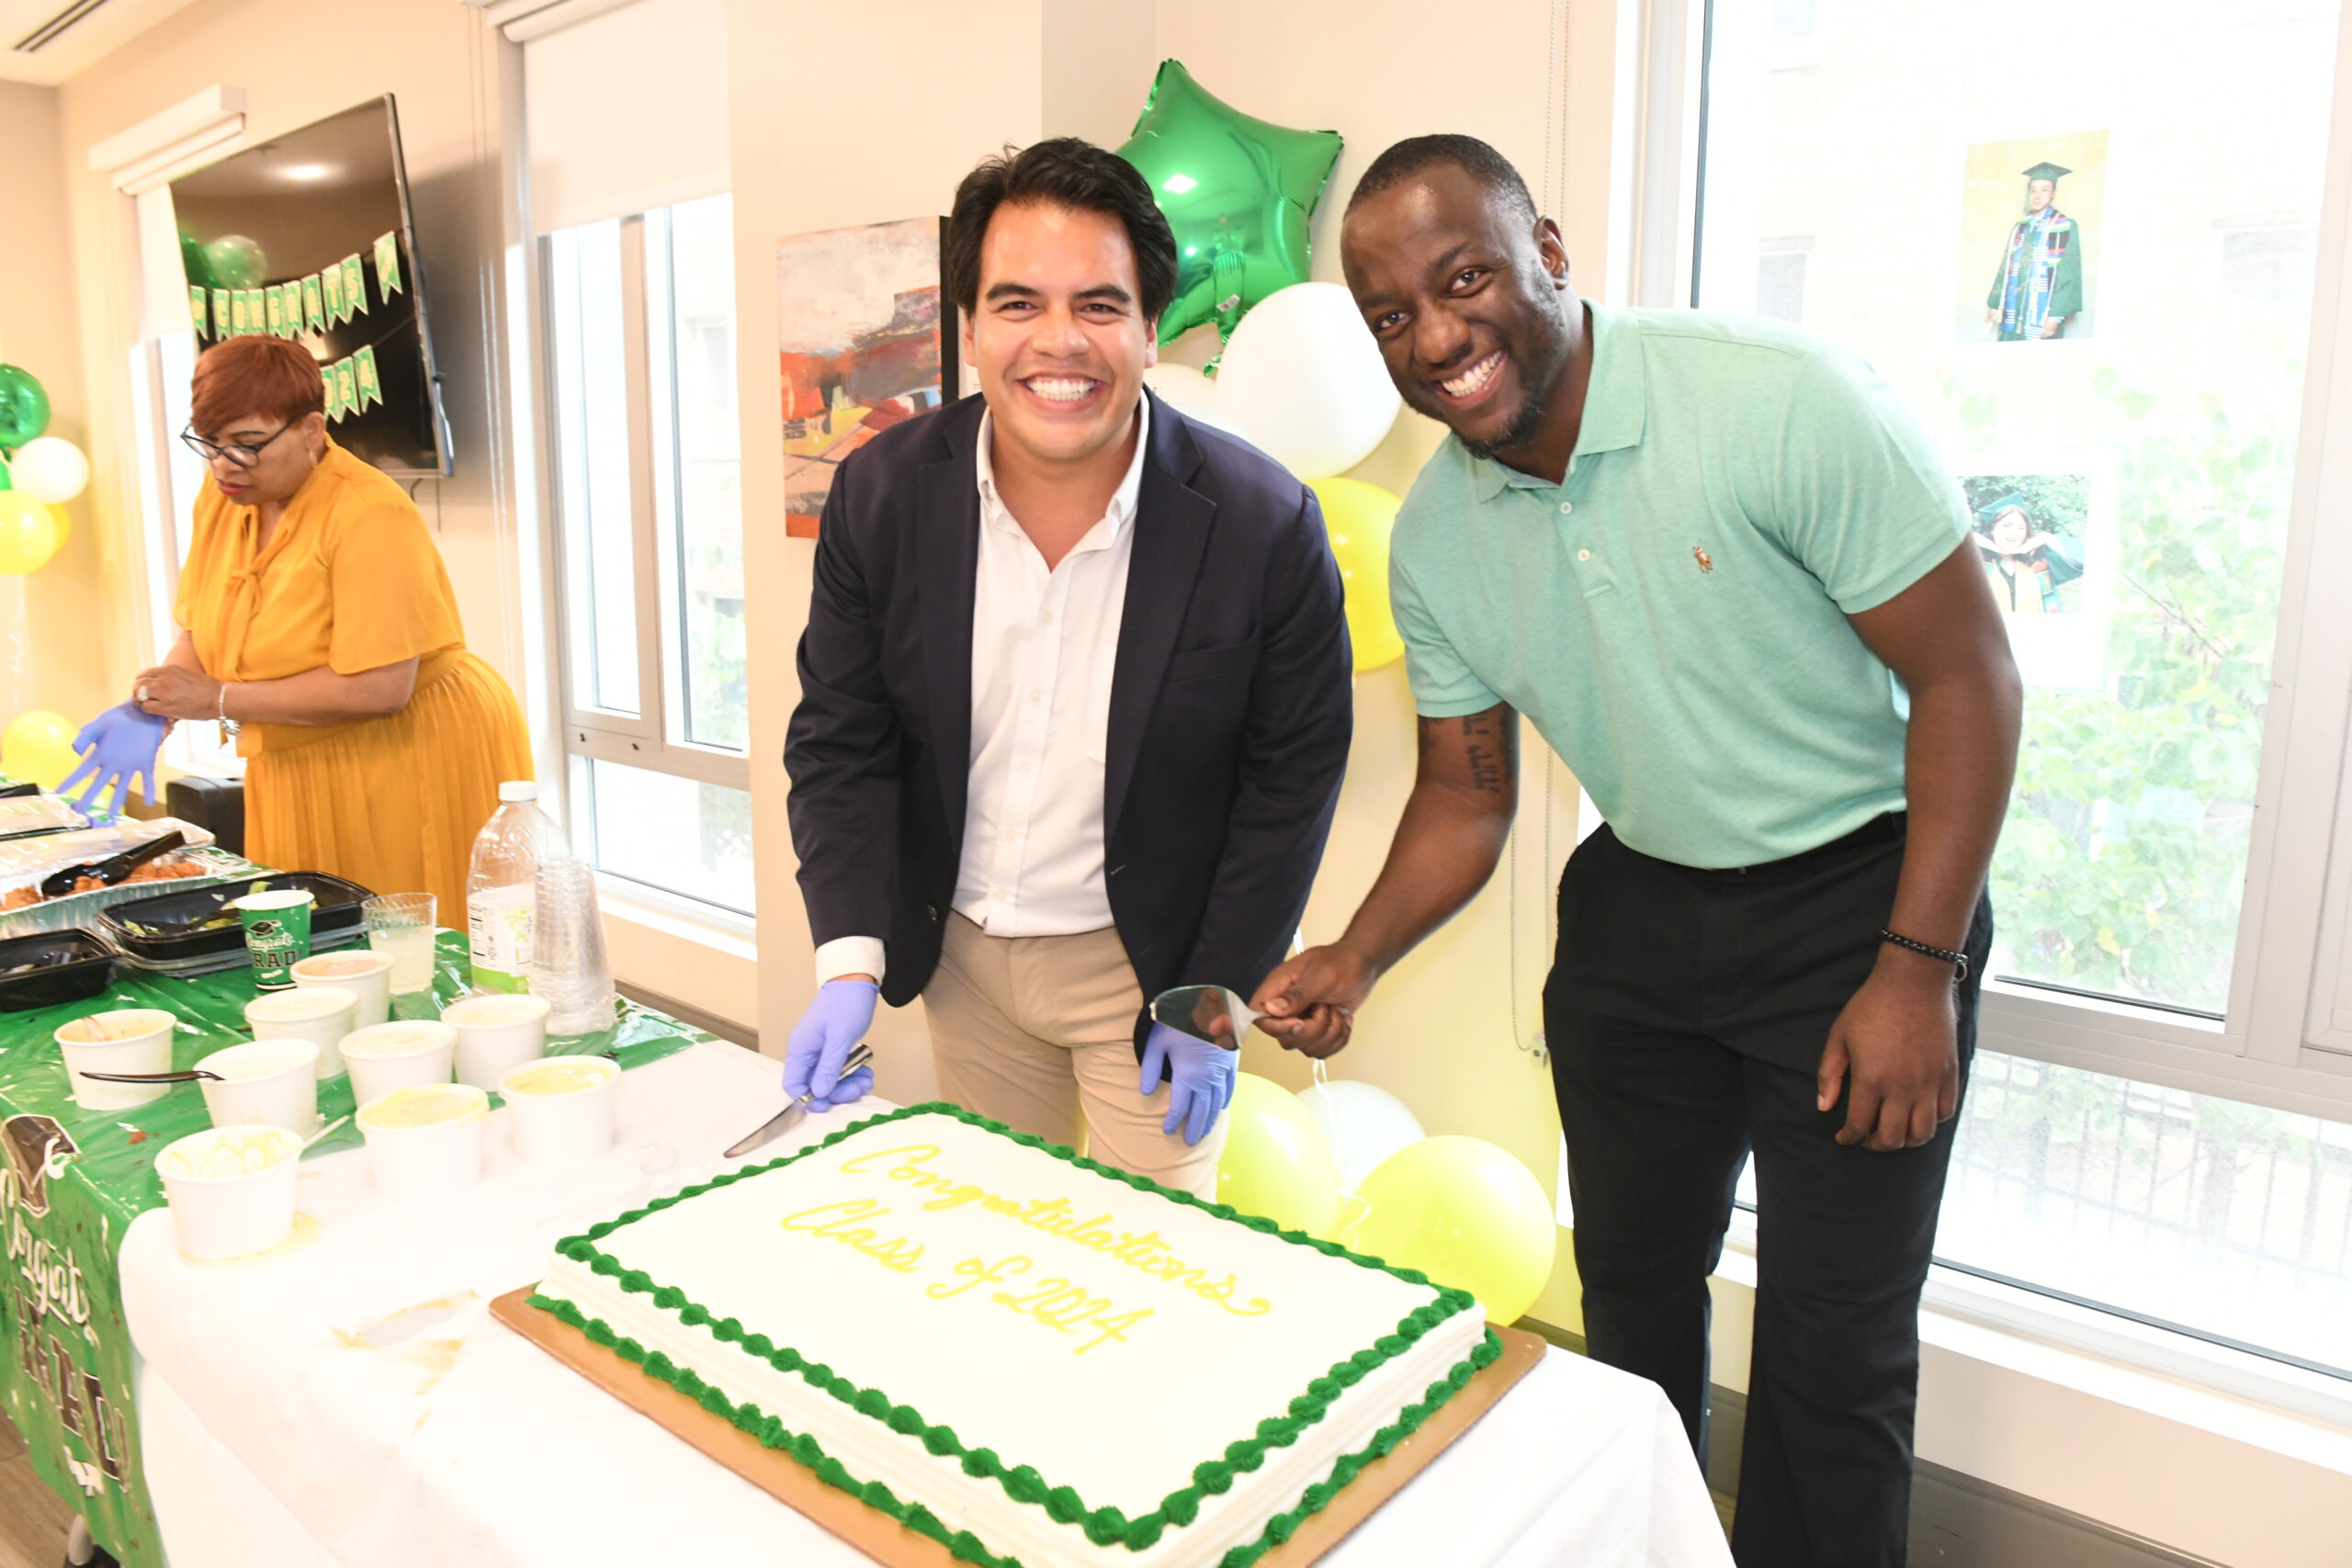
<point>1959,960</point>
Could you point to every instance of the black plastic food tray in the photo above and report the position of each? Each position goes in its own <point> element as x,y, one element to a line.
<point>73,966</point>
<point>337,909</point>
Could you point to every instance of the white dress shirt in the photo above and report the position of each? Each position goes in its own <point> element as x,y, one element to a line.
<point>1044,646</point>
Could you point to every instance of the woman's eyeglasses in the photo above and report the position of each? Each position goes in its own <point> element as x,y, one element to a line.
<point>241,454</point>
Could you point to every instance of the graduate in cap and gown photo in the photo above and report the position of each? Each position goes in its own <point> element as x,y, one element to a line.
<point>2039,283</point>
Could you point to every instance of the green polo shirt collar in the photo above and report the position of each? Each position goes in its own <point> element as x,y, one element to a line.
<point>1616,404</point>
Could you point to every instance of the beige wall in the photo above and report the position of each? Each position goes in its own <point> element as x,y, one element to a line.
<point>44,629</point>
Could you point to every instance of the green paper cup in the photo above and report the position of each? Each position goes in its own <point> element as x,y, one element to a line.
<point>277,934</point>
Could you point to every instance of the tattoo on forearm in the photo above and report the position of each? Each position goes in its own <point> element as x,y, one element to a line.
<point>1486,770</point>
<point>1486,747</point>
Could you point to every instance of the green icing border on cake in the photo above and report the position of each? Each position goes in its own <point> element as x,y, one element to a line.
<point>1104,1526</point>
<point>805,1450</point>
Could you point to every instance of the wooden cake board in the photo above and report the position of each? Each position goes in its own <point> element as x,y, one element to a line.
<point>883,1539</point>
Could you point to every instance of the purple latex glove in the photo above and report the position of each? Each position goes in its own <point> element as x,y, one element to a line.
<point>1199,1079</point>
<point>117,747</point>
<point>822,1041</point>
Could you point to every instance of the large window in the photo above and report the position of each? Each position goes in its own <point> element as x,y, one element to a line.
<point>2101,304</point>
<point>641,332</point>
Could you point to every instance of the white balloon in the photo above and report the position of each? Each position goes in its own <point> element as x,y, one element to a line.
<point>1181,384</point>
<point>49,468</point>
<point>1192,392</point>
<point>1365,1124</point>
<point>1304,377</point>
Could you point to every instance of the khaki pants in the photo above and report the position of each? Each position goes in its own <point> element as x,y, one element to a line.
<point>1039,1033</point>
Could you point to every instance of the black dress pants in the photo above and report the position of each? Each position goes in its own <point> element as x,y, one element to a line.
<point>1687,1011</point>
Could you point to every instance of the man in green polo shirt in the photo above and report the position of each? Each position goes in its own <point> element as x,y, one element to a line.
<point>1728,580</point>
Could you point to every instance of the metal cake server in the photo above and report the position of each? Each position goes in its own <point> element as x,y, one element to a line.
<point>1214,1013</point>
<point>860,1056</point>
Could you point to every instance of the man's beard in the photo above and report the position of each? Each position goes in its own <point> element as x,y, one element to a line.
<point>1521,430</point>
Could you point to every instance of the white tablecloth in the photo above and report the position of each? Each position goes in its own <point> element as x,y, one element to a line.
<point>350,1401</point>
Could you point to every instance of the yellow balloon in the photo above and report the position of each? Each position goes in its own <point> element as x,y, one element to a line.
<point>1358,517</point>
<point>1465,1214</point>
<point>1277,1161</point>
<point>64,521</point>
<point>28,535</point>
<point>39,746</point>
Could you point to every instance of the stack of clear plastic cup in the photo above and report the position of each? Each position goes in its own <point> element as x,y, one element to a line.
<point>570,965</point>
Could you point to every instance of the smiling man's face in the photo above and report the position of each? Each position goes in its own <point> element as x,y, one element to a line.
<point>1468,299</point>
<point>1060,342</point>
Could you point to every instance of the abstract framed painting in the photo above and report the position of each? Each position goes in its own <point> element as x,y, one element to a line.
<point>866,341</point>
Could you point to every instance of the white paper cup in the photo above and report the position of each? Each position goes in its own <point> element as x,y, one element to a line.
<point>560,1109</point>
<point>495,1033</point>
<point>231,1188</point>
<point>425,1140</point>
<point>366,974</point>
<point>264,1083</point>
<point>320,1014</point>
<point>397,1055</point>
<point>128,1040</point>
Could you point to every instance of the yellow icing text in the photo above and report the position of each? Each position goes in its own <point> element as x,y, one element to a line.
<point>834,1222</point>
<point>1147,1251</point>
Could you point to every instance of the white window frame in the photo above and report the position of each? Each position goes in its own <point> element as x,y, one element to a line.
<point>2285,1038</point>
<point>648,739</point>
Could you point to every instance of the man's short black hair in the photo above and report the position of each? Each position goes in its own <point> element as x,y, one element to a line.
<point>1068,173</point>
<point>1469,155</point>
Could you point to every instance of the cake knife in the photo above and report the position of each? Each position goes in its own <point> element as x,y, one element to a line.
<point>859,1056</point>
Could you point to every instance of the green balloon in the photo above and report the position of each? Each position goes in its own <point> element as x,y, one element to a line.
<point>24,407</point>
<point>237,262</point>
<point>6,482</point>
<point>1237,190</point>
<point>195,262</point>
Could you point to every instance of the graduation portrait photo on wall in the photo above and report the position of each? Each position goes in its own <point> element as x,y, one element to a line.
<point>2030,219</point>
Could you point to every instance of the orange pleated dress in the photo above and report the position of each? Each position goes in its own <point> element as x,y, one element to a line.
<point>351,580</point>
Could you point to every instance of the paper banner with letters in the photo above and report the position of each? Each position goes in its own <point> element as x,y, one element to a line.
<point>330,294</point>
<point>344,386</point>
<point>388,265</point>
<point>313,305</point>
<point>362,367</point>
<point>200,309</point>
<point>355,288</point>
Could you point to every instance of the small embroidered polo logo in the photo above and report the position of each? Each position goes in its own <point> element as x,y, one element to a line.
<point>1706,562</point>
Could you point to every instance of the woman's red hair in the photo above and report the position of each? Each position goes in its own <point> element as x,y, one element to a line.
<point>255,375</point>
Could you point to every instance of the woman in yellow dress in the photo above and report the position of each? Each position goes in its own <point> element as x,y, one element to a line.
<point>317,617</point>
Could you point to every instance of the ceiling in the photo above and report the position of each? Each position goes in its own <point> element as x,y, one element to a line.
<point>100,27</point>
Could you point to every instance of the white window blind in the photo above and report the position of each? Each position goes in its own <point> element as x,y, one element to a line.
<point>624,108</point>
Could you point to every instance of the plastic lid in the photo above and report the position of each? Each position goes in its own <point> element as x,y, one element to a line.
<point>517,789</point>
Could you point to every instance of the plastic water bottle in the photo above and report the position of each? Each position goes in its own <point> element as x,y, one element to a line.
<point>570,965</point>
<point>502,888</point>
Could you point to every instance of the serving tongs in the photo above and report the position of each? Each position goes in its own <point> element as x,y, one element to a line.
<point>186,1074</point>
<point>114,868</point>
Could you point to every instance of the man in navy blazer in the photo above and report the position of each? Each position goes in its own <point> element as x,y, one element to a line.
<point>1075,697</point>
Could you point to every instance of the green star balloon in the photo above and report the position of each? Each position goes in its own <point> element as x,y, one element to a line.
<point>1237,190</point>
<point>24,408</point>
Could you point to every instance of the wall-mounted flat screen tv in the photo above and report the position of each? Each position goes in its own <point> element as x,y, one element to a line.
<point>309,237</point>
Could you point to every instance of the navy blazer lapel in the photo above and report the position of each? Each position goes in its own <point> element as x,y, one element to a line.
<point>947,548</point>
<point>1172,527</point>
